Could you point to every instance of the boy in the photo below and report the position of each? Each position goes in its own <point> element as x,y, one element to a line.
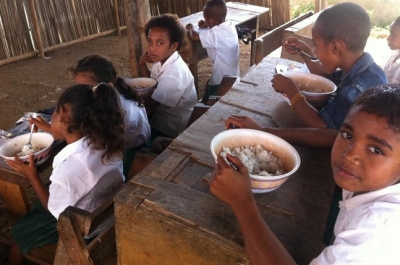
<point>392,67</point>
<point>221,42</point>
<point>365,160</point>
<point>339,34</point>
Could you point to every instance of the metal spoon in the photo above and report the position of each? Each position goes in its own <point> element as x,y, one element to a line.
<point>28,148</point>
<point>313,59</point>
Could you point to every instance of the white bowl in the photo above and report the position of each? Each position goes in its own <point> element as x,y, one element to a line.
<point>317,89</point>
<point>144,85</point>
<point>279,147</point>
<point>40,140</point>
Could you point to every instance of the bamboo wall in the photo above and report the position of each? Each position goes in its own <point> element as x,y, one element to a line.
<point>64,22</point>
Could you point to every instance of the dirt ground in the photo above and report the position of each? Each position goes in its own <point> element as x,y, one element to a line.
<point>36,83</point>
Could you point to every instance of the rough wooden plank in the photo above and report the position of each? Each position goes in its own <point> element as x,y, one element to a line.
<point>14,199</point>
<point>43,255</point>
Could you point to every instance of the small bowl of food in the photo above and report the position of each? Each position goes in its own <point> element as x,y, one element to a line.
<point>269,159</point>
<point>41,143</point>
<point>315,88</point>
<point>143,85</point>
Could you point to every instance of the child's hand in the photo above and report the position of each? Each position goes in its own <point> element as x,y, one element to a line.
<point>145,58</point>
<point>236,121</point>
<point>290,43</point>
<point>285,85</point>
<point>29,171</point>
<point>229,185</point>
<point>202,24</point>
<point>189,26</point>
<point>41,123</point>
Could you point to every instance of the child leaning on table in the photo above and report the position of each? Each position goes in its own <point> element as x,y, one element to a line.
<point>91,121</point>
<point>339,35</point>
<point>365,160</point>
<point>392,67</point>
<point>221,42</point>
<point>171,104</point>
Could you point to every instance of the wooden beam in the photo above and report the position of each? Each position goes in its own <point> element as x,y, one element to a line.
<point>137,13</point>
<point>116,17</point>
<point>36,27</point>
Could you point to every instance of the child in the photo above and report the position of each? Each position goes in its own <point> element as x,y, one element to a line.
<point>221,42</point>
<point>91,122</point>
<point>94,69</point>
<point>392,67</point>
<point>171,104</point>
<point>365,161</point>
<point>339,34</point>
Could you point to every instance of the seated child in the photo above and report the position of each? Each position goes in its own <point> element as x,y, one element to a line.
<point>221,42</point>
<point>90,120</point>
<point>365,161</point>
<point>337,45</point>
<point>94,69</point>
<point>172,102</point>
<point>392,67</point>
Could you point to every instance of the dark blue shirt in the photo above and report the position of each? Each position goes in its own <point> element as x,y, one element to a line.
<point>364,74</point>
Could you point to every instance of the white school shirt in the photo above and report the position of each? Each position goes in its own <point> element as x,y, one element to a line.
<point>367,229</point>
<point>137,124</point>
<point>76,171</point>
<point>176,94</point>
<point>222,45</point>
<point>392,68</point>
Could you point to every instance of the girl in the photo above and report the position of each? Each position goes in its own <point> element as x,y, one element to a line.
<point>92,124</point>
<point>171,104</point>
<point>392,67</point>
<point>94,69</point>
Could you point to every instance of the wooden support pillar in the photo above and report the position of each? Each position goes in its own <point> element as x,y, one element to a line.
<point>36,28</point>
<point>116,16</point>
<point>281,12</point>
<point>137,13</point>
<point>320,5</point>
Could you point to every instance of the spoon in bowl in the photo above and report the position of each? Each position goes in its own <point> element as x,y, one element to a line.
<point>28,148</point>
<point>313,59</point>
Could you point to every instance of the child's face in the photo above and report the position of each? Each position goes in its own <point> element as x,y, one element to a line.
<point>85,78</point>
<point>56,125</point>
<point>323,52</point>
<point>159,46</point>
<point>207,18</point>
<point>366,153</point>
<point>394,37</point>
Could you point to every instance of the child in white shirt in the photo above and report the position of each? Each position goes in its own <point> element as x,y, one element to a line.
<point>392,67</point>
<point>172,102</point>
<point>91,122</point>
<point>221,42</point>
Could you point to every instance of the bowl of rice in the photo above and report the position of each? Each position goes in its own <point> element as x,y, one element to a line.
<point>41,143</point>
<point>269,159</point>
<point>143,85</point>
<point>317,89</point>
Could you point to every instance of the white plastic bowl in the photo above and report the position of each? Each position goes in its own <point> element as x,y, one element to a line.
<point>41,140</point>
<point>143,85</point>
<point>279,147</point>
<point>315,88</point>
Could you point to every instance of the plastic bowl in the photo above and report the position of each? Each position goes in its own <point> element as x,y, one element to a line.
<point>315,88</point>
<point>40,140</point>
<point>143,85</point>
<point>279,147</point>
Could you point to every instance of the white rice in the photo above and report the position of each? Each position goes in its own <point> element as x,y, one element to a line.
<point>257,160</point>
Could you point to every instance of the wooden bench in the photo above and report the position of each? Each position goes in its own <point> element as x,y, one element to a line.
<point>272,40</point>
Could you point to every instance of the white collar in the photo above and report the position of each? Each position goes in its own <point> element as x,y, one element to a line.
<point>70,149</point>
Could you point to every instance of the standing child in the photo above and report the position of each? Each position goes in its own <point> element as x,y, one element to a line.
<point>392,67</point>
<point>339,35</point>
<point>221,42</point>
<point>366,164</point>
<point>91,122</point>
<point>171,104</point>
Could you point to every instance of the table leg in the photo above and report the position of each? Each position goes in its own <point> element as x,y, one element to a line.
<point>14,199</point>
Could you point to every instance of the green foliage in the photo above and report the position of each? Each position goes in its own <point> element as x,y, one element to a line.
<point>301,8</point>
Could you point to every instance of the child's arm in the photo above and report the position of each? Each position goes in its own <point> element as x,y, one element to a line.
<point>234,188</point>
<point>312,137</point>
<point>290,43</point>
<point>29,171</point>
<point>150,104</point>
<point>192,34</point>
<point>144,70</point>
<point>41,123</point>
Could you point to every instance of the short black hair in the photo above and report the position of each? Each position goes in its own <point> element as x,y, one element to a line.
<point>347,21</point>
<point>171,23</point>
<point>382,101</point>
<point>397,21</point>
<point>216,9</point>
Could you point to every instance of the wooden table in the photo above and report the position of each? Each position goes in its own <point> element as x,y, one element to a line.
<point>238,13</point>
<point>166,214</point>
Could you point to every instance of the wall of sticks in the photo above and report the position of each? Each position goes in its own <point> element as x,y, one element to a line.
<point>30,28</point>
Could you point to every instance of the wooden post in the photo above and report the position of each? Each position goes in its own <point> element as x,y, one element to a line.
<point>320,5</point>
<point>281,12</point>
<point>36,28</point>
<point>137,13</point>
<point>116,15</point>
